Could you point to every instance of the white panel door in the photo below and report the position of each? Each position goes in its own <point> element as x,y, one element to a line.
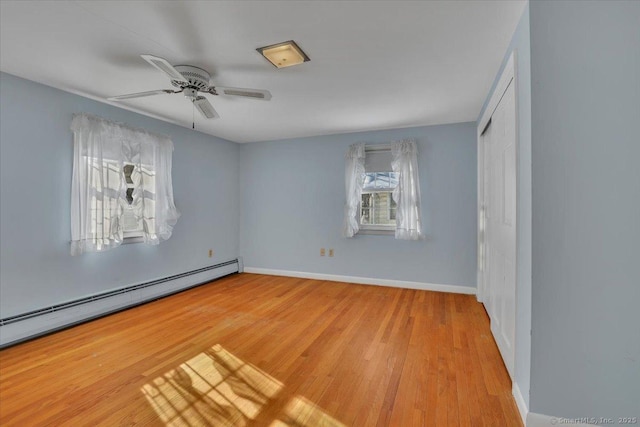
<point>499,279</point>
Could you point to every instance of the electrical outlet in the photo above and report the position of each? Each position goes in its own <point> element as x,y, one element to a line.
<point>322,252</point>
<point>330,252</point>
<point>210,253</point>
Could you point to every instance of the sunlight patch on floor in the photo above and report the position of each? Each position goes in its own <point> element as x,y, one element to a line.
<point>300,412</point>
<point>212,388</point>
<point>217,388</point>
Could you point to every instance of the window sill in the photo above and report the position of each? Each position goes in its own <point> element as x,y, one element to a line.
<point>130,240</point>
<point>371,231</point>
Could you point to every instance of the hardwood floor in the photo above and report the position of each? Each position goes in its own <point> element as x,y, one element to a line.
<point>254,350</point>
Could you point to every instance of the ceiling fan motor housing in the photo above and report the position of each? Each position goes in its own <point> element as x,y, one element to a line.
<point>197,77</point>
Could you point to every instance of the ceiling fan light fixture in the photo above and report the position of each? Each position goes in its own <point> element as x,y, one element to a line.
<point>285,54</point>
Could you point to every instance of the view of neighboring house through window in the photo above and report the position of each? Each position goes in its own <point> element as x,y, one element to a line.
<point>377,206</point>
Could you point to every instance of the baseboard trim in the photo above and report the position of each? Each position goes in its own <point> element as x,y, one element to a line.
<point>520,403</point>
<point>30,325</point>
<point>456,289</point>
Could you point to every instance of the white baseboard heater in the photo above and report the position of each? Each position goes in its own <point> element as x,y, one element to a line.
<point>25,326</point>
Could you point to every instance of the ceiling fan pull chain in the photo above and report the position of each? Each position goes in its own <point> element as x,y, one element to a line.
<point>193,115</point>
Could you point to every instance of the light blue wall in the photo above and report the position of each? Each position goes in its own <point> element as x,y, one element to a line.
<point>35,185</point>
<point>521,44</point>
<point>293,202</point>
<point>585,73</point>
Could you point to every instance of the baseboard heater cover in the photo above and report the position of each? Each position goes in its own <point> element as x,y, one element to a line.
<point>25,326</point>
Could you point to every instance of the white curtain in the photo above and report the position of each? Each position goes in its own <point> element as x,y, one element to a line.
<point>407,193</point>
<point>354,175</point>
<point>98,192</point>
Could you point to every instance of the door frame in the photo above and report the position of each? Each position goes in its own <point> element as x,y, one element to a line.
<point>508,75</point>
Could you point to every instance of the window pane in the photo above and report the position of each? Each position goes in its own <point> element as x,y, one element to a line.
<point>377,204</point>
<point>128,169</point>
<point>369,179</point>
<point>365,216</point>
<point>379,180</point>
<point>382,180</point>
<point>394,177</point>
<point>130,195</point>
<point>381,204</point>
<point>366,200</point>
<point>378,208</point>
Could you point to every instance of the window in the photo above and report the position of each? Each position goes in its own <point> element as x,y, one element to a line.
<point>121,186</point>
<point>377,207</point>
<point>379,201</point>
<point>377,211</point>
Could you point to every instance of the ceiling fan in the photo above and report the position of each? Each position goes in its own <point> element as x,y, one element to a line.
<point>191,81</point>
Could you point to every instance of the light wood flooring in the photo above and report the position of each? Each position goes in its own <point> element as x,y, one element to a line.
<point>254,350</point>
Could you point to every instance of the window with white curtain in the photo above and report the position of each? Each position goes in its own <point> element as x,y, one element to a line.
<point>377,206</point>
<point>121,186</point>
<point>383,190</point>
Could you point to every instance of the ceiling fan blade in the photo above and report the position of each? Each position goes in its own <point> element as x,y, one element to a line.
<point>203,105</point>
<point>164,66</point>
<point>142,94</point>
<point>247,93</point>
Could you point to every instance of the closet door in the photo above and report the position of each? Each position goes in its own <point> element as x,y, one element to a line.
<point>499,284</point>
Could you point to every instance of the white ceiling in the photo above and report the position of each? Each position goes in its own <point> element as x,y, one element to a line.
<point>374,64</point>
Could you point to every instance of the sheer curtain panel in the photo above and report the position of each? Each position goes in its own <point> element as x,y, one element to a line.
<point>407,193</point>
<point>99,191</point>
<point>354,175</point>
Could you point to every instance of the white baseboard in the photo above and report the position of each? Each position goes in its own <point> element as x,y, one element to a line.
<point>41,324</point>
<point>456,289</point>
<point>540,420</point>
<point>520,403</point>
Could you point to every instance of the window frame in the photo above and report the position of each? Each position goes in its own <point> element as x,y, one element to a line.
<point>377,229</point>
